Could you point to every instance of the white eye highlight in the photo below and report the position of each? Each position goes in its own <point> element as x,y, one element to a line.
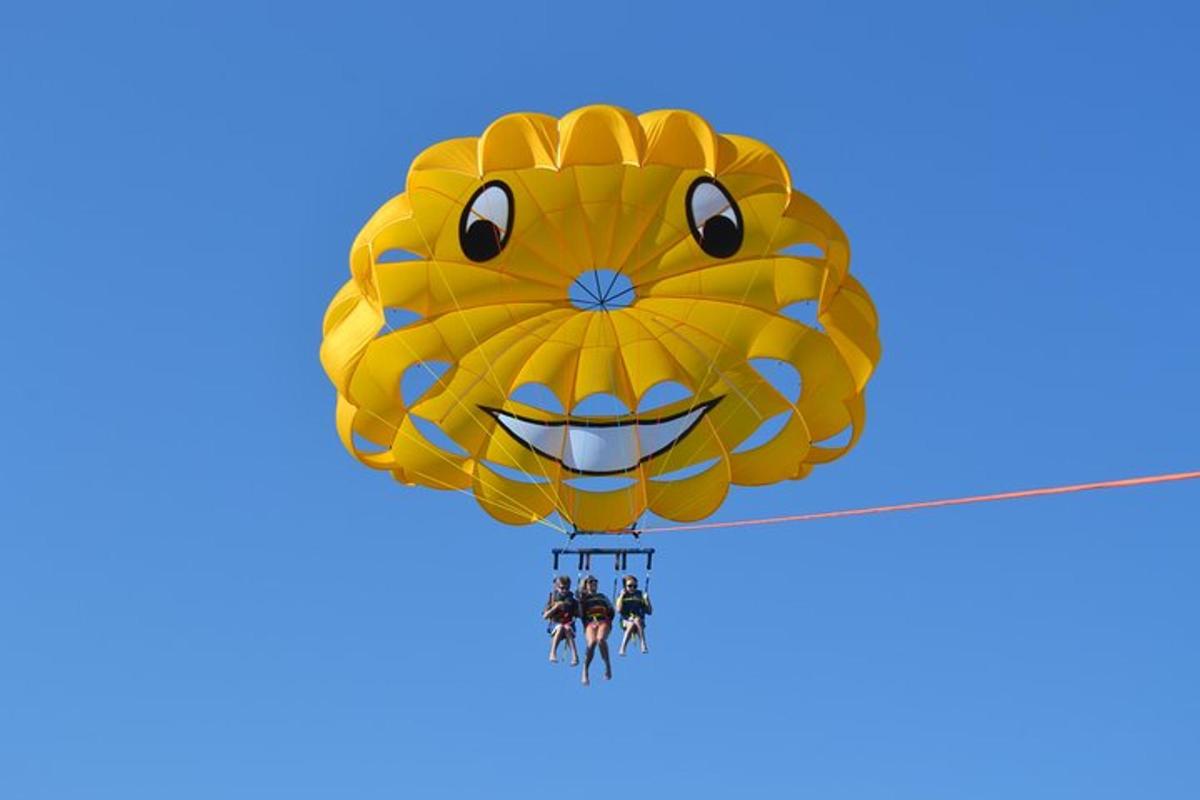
<point>486,222</point>
<point>490,205</point>
<point>714,218</point>
<point>709,201</point>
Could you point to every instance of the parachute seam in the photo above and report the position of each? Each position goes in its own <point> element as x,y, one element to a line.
<point>437,450</point>
<point>487,362</point>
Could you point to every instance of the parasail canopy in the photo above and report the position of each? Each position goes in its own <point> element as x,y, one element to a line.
<point>599,255</point>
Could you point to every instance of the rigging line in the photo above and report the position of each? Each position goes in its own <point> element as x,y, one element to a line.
<point>515,504</point>
<point>686,232</point>
<point>658,316</point>
<point>420,261</point>
<point>587,236</point>
<point>566,439</point>
<point>618,208</point>
<point>732,261</point>
<point>712,363</point>
<point>536,520</point>
<point>437,450</point>
<point>618,362</point>
<point>659,253</point>
<point>726,454</point>
<point>700,386</point>
<point>622,293</point>
<point>470,414</point>
<point>590,294</point>
<point>539,322</point>
<point>555,264</point>
<point>655,213</point>
<point>504,392</point>
<point>772,253</point>
<point>953,501</point>
<point>719,213</point>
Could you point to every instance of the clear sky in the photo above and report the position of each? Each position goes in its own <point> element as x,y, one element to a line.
<point>203,596</point>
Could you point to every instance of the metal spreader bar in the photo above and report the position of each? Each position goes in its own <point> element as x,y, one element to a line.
<point>632,530</point>
<point>620,556</point>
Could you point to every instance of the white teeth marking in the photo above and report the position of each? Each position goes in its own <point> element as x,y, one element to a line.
<point>601,449</point>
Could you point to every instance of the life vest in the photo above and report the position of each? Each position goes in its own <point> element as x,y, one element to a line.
<point>569,609</point>
<point>633,604</point>
<point>595,607</point>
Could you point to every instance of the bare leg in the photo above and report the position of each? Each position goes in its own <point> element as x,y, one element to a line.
<point>625,639</point>
<point>555,640</point>
<point>602,631</point>
<point>641,634</point>
<point>590,652</point>
<point>571,644</point>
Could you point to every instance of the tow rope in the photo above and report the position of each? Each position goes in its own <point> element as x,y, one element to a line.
<point>952,501</point>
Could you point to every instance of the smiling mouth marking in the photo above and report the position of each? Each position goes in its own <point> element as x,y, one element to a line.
<point>600,446</point>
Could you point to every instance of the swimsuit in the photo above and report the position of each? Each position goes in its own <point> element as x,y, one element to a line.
<point>565,616</point>
<point>596,609</point>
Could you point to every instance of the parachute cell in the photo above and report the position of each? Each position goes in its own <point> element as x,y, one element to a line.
<point>602,254</point>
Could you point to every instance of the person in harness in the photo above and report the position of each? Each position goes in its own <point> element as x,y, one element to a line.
<point>632,606</point>
<point>561,610</point>
<point>597,613</point>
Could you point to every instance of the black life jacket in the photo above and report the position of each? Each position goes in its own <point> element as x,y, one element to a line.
<point>595,606</point>
<point>633,604</point>
<point>570,606</point>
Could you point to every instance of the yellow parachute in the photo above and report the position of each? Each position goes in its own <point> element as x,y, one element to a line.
<point>598,254</point>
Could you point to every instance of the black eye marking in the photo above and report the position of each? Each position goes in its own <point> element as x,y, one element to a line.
<point>714,217</point>
<point>486,222</point>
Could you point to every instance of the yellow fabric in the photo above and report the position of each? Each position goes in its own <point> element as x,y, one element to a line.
<point>598,189</point>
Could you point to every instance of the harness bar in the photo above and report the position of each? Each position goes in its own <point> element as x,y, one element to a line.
<point>620,556</point>
<point>632,530</point>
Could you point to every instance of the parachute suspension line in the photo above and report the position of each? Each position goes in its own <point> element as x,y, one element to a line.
<point>562,447</point>
<point>612,238</point>
<point>487,362</point>
<point>674,330</point>
<point>1120,483</point>
<point>617,364</point>
<point>711,371</point>
<point>649,567</point>
<point>669,331</point>
<point>512,504</point>
<point>595,299</point>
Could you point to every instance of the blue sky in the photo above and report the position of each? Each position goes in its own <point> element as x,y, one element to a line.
<point>205,596</point>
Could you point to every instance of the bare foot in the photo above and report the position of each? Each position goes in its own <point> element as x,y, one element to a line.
<point>645,649</point>
<point>586,682</point>
<point>553,658</point>
<point>574,662</point>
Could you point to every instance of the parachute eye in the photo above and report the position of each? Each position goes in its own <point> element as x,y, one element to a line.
<point>714,217</point>
<point>486,222</point>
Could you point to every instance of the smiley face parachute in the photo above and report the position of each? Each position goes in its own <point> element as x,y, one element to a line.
<point>601,254</point>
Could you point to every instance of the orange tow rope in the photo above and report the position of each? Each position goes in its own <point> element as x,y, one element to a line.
<point>953,501</point>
